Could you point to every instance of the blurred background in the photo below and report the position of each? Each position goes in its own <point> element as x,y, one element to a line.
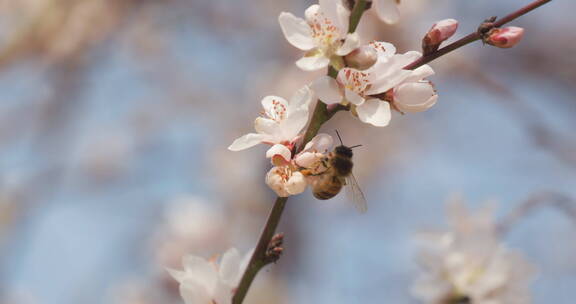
<point>115,116</point>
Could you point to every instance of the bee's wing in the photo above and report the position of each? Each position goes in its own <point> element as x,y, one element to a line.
<point>355,194</point>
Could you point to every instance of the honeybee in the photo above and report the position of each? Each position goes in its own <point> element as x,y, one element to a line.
<point>337,174</point>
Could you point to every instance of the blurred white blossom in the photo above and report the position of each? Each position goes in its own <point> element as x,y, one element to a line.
<point>469,263</point>
<point>206,282</point>
<point>387,10</point>
<point>323,35</point>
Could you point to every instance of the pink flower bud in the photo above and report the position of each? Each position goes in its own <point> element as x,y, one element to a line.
<point>505,37</point>
<point>438,33</point>
<point>442,30</point>
<point>362,58</point>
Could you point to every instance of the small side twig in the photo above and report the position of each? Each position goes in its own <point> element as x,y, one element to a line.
<point>562,202</point>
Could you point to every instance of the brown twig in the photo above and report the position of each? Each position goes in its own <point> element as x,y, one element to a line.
<point>474,36</point>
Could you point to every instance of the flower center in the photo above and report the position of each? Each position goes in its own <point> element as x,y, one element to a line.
<point>278,111</point>
<point>357,81</point>
<point>324,32</point>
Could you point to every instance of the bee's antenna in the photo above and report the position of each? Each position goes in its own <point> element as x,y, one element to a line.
<point>356,146</point>
<point>340,138</point>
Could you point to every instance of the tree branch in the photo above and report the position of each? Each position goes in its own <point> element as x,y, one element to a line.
<point>474,36</point>
<point>319,117</point>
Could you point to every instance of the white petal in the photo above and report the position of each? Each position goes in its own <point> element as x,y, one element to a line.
<point>310,12</point>
<point>351,43</point>
<point>320,143</point>
<point>280,150</point>
<point>388,72</point>
<point>200,270</point>
<point>332,10</point>
<point>384,49</point>
<point>275,182</point>
<point>296,184</point>
<point>387,10</point>
<point>343,17</point>
<point>291,126</point>
<point>230,266</point>
<point>246,141</point>
<point>274,106</point>
<point>353,97</point>
<point>269,129</point>
<point>222,293</point>
<point>194,293</point>
<point>177,274</point>
<point>327,90</point>
<point>301,100</point>
<point>313,63</point>
<point>296,31</point>
<point>420,73</point>
<point>374,112</point>
<point>306,159</point>
<point>415,96</point>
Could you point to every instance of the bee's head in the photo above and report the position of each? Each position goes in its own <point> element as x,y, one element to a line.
<point>344,151</point>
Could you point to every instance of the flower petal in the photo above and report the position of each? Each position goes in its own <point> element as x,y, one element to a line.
<point>320,143</point>
<point>279,150</point>
<point>384,49</point>
<point>313,63</point>
<point>297,31</point>
<point>420,73</point>
<point>336,14</point>
<point>201,270</point>
<point>291,126</point>
<point>327,90</point>
<point>193,292</point>
<point>177,274</point>
<point>300,100</point>
<point>296,184</point>
<point>351,43</point>
<point>415,96</point>
<point>246,141</point>
<point>374,112</point>
<point>269,129</point>
<point>353,97</point>
<point>275,107</point>
<point>387,10</point>
<point>230,267</point>
<point>275,181</point>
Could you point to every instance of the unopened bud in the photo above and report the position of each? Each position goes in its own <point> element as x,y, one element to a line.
<point>504,37</point>
<point>438,33</point>
<point>362,58</point>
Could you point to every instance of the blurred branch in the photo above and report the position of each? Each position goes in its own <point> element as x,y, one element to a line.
<point>560,201</point>
<point>475,36</point>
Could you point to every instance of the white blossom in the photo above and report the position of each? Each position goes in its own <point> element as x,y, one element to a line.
<point>470,264</point>
<point>369,92</point>
<point>323,35</point>
<point>286,177</point>
<point>286,180</point>
<point>206,282</point>
<point>280,125</point>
